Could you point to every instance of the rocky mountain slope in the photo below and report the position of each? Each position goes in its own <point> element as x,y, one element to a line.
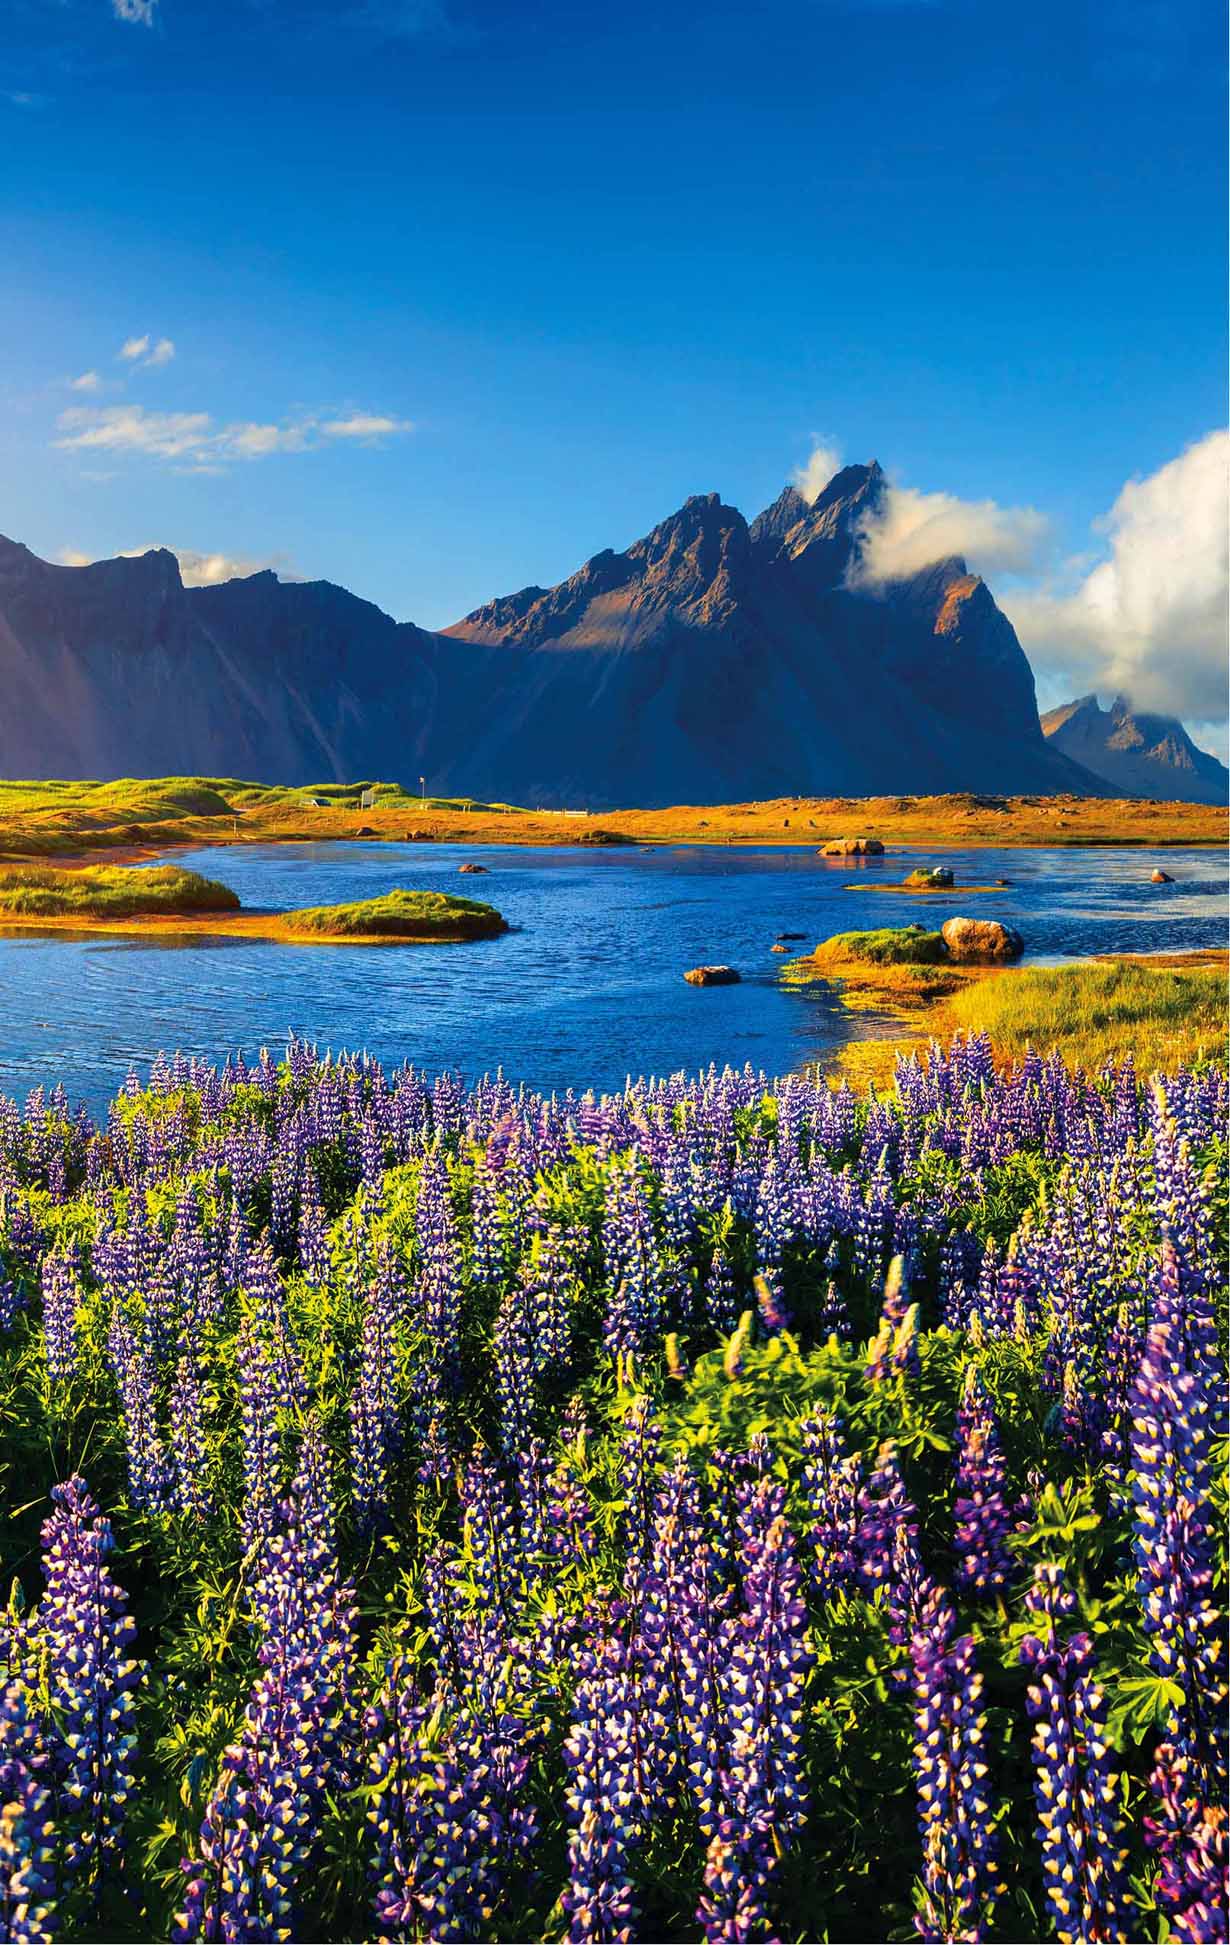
<point>1137,755</point>
<point>710,661</point>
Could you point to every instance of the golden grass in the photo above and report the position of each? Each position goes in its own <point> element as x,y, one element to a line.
<point>1165,1017</point>
<point>1164,1013</point>
<point>136,817</point>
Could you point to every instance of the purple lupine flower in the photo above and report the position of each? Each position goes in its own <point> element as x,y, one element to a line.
<point>960,1875</point>
<point>91,1677</point>
<point>885,1510</point>
<point>1083,1856</point>
<point>260,1436</point>
<point>260,1827</point>
<point>608,1800</point>
<point>1171,1490</point>
<point>447,1809</point>
<point>764,1781</point>
<point>27,1833</point>
<point>313,1242</point>
<point>1189,1835</point>
<point>61,1288</point>
<point>149,1473</point>
<point>374,1425</point>
<point>190,1451</point>
<point>831,1480</point>
<point>983,1517</point>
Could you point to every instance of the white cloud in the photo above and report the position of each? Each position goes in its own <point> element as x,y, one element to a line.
<point>86,381</point>
<point>146,351</point>
<point>364,425</point>
<point>196,570</point>
<point>194,438</point>
<point>140,13</point>
<point>911,530</point>
<point>812,478</point>
<point>129,428</point>
<point>1150,620</point>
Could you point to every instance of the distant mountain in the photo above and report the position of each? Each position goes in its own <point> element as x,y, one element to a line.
<point>1136,754</point>
<point>710,661</point>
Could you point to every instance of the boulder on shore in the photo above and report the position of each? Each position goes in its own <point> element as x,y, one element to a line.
<point>981,938</point>
<point>853,847</point>
<point>712,976</point>
<point>1160,877</point>
<point>931,877</point>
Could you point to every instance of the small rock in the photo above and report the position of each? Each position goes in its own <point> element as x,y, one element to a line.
<point>601,835</point>
<point>420,837</point>
<point>853,847</point>
<point>1003,881</point>
<point>792,935</point>
<point>712,976</point>
<point>779,948</point>
<point>981,938</point>
<point>479,868</point>
<point>365,830</point>
<point>1160,877</point>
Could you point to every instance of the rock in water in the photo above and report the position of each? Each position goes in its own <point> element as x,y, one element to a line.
<point>853,847</point>
<point>1160,877</point>
<point>472,867</point>
<point>934,877</point>
<point>981,938</point>
<point>712,976</point>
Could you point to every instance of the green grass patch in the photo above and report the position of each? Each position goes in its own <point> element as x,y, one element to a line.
<point>110,891</point>
<point>1163,1017</point>
<point>889,945</point>
<point>400,915</point>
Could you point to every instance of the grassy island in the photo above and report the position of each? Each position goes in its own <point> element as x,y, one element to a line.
<point>399,915</point>
<point>110,891</point>
<point>163,899</point>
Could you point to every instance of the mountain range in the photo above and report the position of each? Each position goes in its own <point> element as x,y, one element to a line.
<point>1137,755</point>
<point>714,660</point>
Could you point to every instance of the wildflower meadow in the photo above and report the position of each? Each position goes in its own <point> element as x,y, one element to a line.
<point>730,1509</point>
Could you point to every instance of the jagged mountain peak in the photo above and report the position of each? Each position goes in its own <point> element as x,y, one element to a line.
<point>1140,753</point>
<point>707,661</point>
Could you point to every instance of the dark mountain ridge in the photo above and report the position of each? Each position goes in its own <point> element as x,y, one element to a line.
<point>709,661</point>
<point>1137,754</point>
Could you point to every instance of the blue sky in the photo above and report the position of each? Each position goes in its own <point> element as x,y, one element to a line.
<point>457,292</point>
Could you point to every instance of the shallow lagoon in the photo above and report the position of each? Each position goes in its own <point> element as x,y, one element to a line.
<point>586,989</point>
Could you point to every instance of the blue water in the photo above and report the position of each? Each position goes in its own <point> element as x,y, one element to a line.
<point>585,990</point>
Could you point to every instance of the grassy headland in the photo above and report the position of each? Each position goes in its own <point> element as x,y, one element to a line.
<point>141,816</point>
<point>163,899</point>
<point>1164,1013</point>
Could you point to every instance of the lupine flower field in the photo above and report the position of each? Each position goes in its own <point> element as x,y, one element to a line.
<point>729,1510</point>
